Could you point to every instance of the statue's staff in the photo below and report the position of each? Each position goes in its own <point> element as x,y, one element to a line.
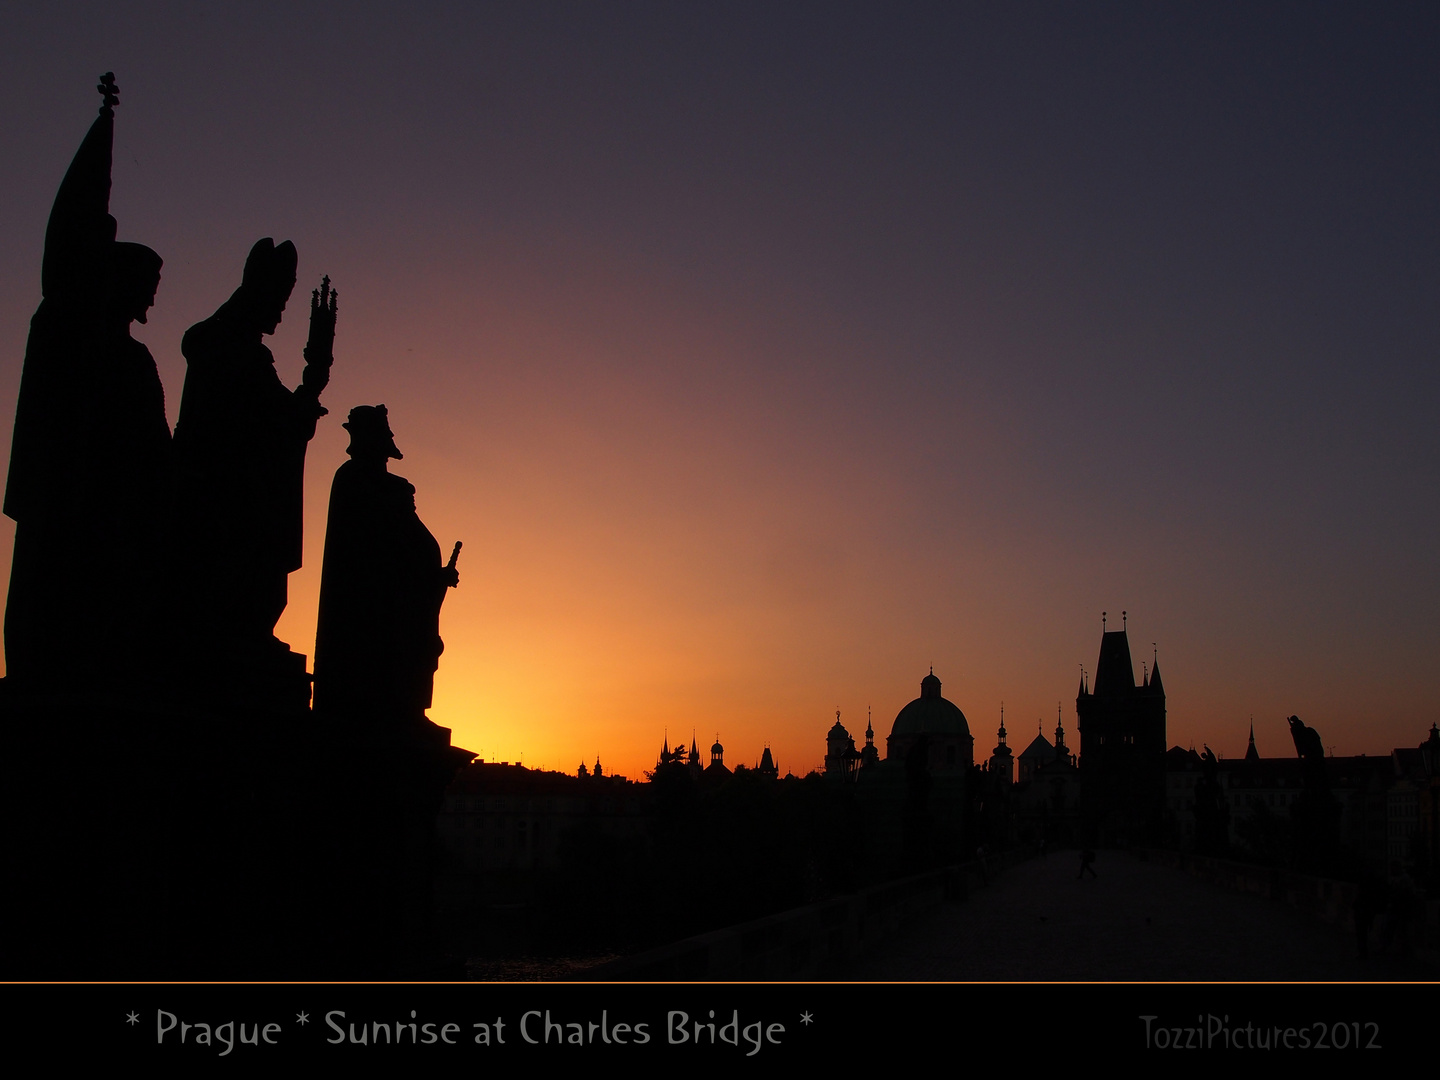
<point>450,575</point>
<point>320,346</point>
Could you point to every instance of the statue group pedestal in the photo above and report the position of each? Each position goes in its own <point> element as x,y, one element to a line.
<point>149,841</point>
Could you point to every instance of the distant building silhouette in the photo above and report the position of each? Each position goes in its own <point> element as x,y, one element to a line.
<point>1047,799</point>
<point>870,755</point>
<point>1041,751</point>
<point>504,816</point>
<point>912,804</point>
<point>1122,748</point>
<point>767,767</point>
<point>716,771</point>
<point>950,745</point>
<point>1002,759</point>
<point>841,757</point>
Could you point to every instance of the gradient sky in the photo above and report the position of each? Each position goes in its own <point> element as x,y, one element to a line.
<point>765,355</point>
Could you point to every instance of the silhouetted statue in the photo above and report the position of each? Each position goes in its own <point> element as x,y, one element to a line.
<point>1212,814</point>
<point>89,464</point>
<point>1316,814</point>
<point>1310,748</point>
<point>377,638</point>
<point>240,457</point>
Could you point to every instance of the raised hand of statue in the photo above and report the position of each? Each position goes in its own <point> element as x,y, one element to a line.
<point>320,348</point>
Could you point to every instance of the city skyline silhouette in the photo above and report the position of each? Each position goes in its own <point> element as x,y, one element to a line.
<point>752,397</point>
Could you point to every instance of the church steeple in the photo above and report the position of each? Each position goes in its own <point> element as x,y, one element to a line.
<point>871,754</point>
<point>1002,758</point>
<point>1251,754</point>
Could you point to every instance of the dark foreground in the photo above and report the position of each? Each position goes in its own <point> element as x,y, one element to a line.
<point>1134,921</point>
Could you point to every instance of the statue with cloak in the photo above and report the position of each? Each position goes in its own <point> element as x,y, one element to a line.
<point>377,639</point>
<point>89,477</point>
<point>240,444</point>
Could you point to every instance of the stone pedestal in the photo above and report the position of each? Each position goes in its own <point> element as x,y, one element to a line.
<point>164,842</point>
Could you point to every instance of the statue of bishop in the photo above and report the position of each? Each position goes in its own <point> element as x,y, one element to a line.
<point>240,446</point>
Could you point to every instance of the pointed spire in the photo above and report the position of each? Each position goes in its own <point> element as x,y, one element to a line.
<point>1251,754</point>
<point>767,763</point>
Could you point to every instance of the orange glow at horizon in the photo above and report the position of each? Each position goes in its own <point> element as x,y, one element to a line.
<point>636,568</point>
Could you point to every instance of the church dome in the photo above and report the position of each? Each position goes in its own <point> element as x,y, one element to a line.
<point>930,713</point>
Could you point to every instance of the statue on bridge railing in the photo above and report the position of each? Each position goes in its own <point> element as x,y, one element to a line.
<point>240,457</point>
<point>1315,817</point>
<point>89,464</point>
<point>377,636</point>
<point>1212,815</point>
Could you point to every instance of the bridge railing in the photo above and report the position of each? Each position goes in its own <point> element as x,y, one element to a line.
<point>1326,899</point>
